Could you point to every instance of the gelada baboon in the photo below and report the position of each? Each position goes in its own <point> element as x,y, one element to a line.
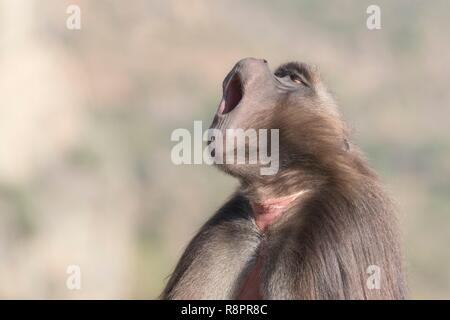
<point>319,228</point>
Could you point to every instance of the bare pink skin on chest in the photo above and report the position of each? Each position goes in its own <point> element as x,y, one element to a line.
<point>265,214</point>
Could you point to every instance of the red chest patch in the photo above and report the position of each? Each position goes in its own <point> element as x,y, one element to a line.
<point>265,214</point>
<point>251,288</point>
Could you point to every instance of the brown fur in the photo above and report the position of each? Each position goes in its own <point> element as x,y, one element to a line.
<point>323,244</point>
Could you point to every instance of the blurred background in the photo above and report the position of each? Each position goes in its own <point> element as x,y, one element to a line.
<point>86,115</point>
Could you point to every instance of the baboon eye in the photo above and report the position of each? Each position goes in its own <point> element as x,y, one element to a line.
<point>298,79</point>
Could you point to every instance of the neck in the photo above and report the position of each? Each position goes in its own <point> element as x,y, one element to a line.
<point>269,210</point>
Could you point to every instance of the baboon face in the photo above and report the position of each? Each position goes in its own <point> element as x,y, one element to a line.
<point>292,99</point>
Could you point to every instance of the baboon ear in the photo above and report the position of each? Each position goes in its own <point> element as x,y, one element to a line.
<point>346,144</point>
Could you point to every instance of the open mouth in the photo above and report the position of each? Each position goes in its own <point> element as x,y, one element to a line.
<point>233,94</point>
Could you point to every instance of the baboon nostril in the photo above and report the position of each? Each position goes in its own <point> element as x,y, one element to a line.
<point>265,61</point>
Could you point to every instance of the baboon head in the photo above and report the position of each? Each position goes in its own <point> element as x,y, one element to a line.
<point>293,100</point>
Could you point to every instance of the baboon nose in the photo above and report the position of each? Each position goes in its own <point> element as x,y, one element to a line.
<point>253,68</point>
<point>252,64</point>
